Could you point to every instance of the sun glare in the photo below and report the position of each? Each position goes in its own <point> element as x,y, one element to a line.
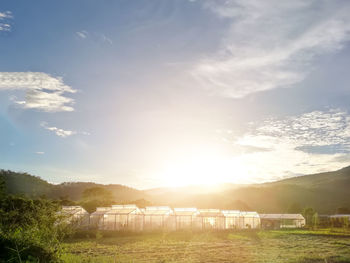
<point>203,169</point>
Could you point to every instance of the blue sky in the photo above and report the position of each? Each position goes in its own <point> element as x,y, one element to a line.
<point>167,93</point>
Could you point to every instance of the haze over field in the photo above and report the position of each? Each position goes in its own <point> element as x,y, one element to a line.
<point>158,93</point>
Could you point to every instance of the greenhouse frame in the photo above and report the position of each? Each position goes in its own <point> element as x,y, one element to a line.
<point>163,218</point>
<point>123,217</point>
<point>277,221</point>
<point>340,220</point>
<point>76,215</point>
<point>250,220</point>
<point>232,219</point>
<point>158,218</point>
<point>185,218</point>
<point>210,219</point>
<point>97,218</point>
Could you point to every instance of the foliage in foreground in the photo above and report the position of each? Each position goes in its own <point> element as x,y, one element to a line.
<point>30,230</point>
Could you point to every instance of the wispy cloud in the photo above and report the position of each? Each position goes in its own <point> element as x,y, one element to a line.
<point>311,142</point>
<point>270,44</point>
<point>43,92</point>
<point>5,18</point>
<point>61,132</point>
<point>82,34</point>
<point>95,37</point>
<point>40,153</point>
<point>106,39</point>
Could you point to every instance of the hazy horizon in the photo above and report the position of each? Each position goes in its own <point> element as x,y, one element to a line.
<point>171,93</point>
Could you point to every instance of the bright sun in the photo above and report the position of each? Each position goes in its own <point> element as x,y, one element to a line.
<point>203,168</point>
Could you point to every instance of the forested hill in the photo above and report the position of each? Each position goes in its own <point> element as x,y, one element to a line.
<point>33,186</point>
<point>324,191</point>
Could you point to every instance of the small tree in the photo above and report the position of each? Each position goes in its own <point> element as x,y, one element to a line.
<point>94,197</point>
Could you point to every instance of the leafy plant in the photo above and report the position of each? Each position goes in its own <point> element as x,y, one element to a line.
<point>30,230</point>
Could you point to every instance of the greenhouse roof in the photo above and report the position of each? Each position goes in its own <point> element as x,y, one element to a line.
<point>72,210</point>
<point>210,212</point>
<point>249,214</point>
<point>101,210</point>
<point>281,216</point>
<point>340,216</point>
<point>231,213</point>
<point>185,211</point>
<point>157,210</point>
<point>122,209</point>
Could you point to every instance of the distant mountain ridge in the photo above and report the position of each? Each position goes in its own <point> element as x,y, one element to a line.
<point>325,192</point>
<point>34,186</point>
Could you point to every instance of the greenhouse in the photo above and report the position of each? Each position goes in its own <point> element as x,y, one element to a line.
<point>340,220</point>
<point>250,220</point>
<point>76,215</point>
<point>97,218</point>
<point>277,221</point>
<point>210,219</point>
<point>158,217</point>
<point>232,219</point>
<point>123,217</point>
<point>185,218</point>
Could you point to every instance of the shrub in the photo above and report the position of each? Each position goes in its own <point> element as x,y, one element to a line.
<point>30,230</point>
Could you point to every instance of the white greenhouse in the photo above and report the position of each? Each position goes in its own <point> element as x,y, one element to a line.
<point>250,220</point>
<point>123,217</point>
<point>277,221</point>
<point>210,219</point>
<point>185,218</point>
<point>97,218</point>
<point>158,218</point>
<point>232,219</point>
<point>76,215</point>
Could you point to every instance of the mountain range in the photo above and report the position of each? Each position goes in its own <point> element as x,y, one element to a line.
<point>325,192</point>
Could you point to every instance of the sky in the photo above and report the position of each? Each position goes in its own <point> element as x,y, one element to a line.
<point>155,93</point>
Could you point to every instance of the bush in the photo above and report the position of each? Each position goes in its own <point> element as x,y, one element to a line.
<point>30,230</point>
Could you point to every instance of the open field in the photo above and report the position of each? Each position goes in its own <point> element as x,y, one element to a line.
<point>304,246</point>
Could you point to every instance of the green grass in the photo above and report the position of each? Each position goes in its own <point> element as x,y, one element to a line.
<point>290,246</point>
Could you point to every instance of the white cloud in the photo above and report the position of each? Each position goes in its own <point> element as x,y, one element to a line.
<point>43,92</point>
<point>61,132</point>
<point>106,39</point>
<point>40,153</point>
<point>82,34</point>
<point>95,37</point>
<point>4,21</point>
<point>271,44</point>
<point>317,128</point>
<point>312,142</point>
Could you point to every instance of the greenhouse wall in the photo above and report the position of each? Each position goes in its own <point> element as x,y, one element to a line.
<point>185,218</point>
<point>277,221</point>
<point>210,219</point>
<point>158,218</point>
<point>76,215</point>
<point>97,218</point>
<point>123,217</point>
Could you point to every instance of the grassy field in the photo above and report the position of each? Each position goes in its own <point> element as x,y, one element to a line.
<point>304,246</point>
